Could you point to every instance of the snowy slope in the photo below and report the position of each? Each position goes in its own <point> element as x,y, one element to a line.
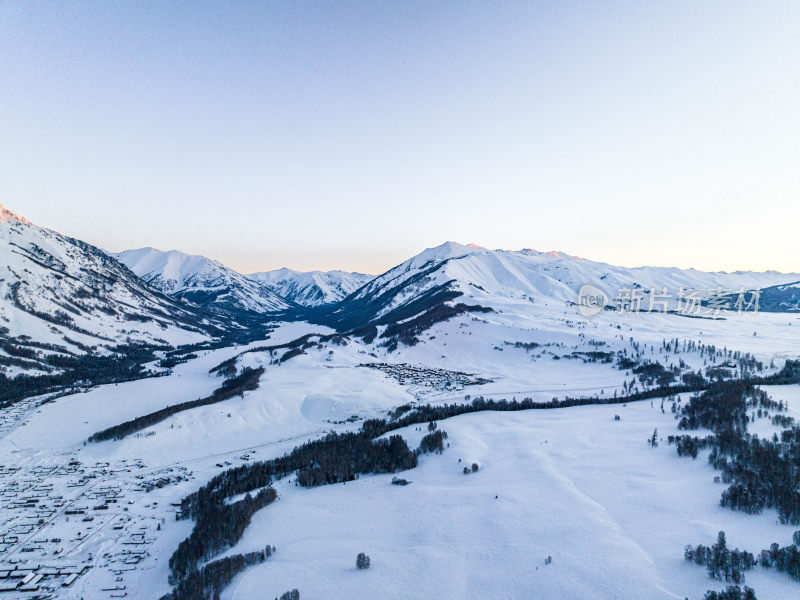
<point>201,280</point>
<point>62,292</point>
<point>573,483</point>
<point>781,298</point>
<point>478,275</point>
<point>312,288</point>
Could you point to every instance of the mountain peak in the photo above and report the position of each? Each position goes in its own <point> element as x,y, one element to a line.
<point>200,280</point>
<point>447,250</point>
<point>311,288</point>
<point>9,216</point>
<point>45,273</point>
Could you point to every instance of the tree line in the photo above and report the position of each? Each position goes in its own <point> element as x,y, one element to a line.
<point>724,564</point>
<point>219,528</point>
<point>208,582</point>
<point>335,458</point>
<point>236,386</point>
<point>721,562</point>
<point>124,364</point>
<point>762,473</point>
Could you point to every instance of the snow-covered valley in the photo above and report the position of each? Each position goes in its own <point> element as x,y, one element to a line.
<point>571,483</point>
<point>556,478</point>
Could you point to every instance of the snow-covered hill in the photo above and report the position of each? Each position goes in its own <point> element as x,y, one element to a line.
<point>312,288</point>
<point>59,297</point>
<point>203,281</point>
<point>477,275</point>
<point>781,298</point>
<point>568,483</point>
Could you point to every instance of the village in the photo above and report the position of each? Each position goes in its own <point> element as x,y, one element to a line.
<point>61,519</point>
<point>427,377</point>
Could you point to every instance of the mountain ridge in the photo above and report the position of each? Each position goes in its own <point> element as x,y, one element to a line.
<point>202,281</point>
<point>312,288</point>
<point>66,297</point>
<point>485,277</point>
<point>61,298</point>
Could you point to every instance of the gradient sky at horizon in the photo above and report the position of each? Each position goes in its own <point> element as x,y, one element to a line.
<point>353,135</point>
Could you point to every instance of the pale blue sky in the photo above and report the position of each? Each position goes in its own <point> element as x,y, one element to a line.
<point>352,135</point>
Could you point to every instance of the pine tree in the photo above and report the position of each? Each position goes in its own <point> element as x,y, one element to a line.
<point>653,441</point>
<point>362,561</point>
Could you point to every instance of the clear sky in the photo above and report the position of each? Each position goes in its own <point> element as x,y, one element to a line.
<point>319,135</point>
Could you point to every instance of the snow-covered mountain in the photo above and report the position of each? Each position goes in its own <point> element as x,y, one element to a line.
<point>60,296</point>
<point>781,298</point>
<point>486,277</point>
<point>312,288</point>
<point>202,281</point>
<point>310,380</point>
